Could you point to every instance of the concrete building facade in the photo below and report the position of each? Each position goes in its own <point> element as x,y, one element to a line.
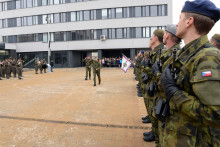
<point>73,29</point>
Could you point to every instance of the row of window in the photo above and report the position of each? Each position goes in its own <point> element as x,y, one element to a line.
<point>20,4</point>
<point>110,13</point>
<point>110,33</point>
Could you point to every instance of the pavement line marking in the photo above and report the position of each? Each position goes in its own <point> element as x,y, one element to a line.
<point>75,123</point>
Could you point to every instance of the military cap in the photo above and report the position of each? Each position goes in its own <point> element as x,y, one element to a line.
<point>202,7</point>
<point>216,37</point>
<point>171,28</point>
<point>159,33</point>
<point>142,51</point>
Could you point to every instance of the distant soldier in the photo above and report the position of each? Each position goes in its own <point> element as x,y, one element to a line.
<point>88,63</point>
<point>36,66</point>
<point>40,65</point>
<point>3,68</point>
<point>19,68</point>
<point>44,65</point>
<point>0,70</point>
<point>96,70</point>
<point>14,66</point>
<point>215,40</point>
<point>7,68</point>
<point>51,65</point>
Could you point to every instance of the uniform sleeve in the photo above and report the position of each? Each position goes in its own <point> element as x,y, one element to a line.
<point>204,105</point>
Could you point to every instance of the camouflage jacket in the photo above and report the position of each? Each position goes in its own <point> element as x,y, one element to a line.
<point>96,65</point>
<point>88,62</point>
<point>195,108</point>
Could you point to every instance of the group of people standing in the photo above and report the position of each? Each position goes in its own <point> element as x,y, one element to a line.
<point>9,66</point>
<point>42,66</point>
<point>96,64</point>
<point>181,86</point>
<point>111,62</point>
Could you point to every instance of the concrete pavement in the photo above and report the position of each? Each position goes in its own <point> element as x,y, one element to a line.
<point>61,109</point>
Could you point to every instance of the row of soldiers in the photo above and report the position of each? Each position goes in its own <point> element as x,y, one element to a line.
<point>41,65</point>
<point>181,86</point>
<point>96,64</point>
<point>9,66</point>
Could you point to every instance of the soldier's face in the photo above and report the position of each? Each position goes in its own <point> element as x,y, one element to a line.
<point>181,26</point>
<point>165,36</point>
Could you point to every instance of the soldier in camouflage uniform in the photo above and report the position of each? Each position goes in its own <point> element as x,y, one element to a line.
<point>7,68</point>
<point>36,66</point>
<point>19,68</point>
<point>96,70</point>
<point>88,63</point>
<point>0,70</point>
<point>172,43</point>
<point>14,66</point>
<point>193,89</point>
<point>215,40</point>
<point>139,72</point>
<point>156,44</point>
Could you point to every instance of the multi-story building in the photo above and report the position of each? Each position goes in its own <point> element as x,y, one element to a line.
<point>73,29</point>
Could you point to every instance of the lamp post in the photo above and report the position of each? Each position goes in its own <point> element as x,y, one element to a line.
<point>49,50</point>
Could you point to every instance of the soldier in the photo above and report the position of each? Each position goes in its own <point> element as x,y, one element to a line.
<point>44,65</point>
<point>14,66</point>
<point>193,92</point>
<point>7,68</point>
<point>1,70</point>
<point>172,44</point>
<point>88,63</point>
<point>36,66</point>
<point>215,40</point>
<point>139,72</point>
<point>51,65</point>
<point>156,44</point>
<point>19,68</point>
<point>40,64</point>
<point>96,70</point>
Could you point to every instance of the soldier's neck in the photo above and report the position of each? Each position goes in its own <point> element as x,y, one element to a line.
<point>170,44</point>
<point>190,36</point>
<point>155,45</point>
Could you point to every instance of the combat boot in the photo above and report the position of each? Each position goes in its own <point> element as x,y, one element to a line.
<point>147,120</point>
<point>86,78</point>
<point>140,94</point>
<point>94,85</point>
<point>150,137</point>
<point>99,82</point>
<point>147,133</point>
<point>143,118</point>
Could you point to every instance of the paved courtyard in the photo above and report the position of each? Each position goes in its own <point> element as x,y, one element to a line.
<point>61,109</point>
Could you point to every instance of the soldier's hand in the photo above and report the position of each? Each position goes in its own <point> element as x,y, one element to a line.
<point>168,82</point>
<point>155,68</point>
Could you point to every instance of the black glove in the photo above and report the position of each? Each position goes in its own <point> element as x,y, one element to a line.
<point>155,68</point>
<point>168,82</point>
<point>152,89</point>
<point>147,63</point>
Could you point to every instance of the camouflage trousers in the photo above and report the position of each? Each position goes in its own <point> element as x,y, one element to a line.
<point>149,104</point>
<point>88,72</point>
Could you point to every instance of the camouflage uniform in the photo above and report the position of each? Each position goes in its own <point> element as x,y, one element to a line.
<point>14,64</point>
<point>96,71</point>
<point>7,69</point>
<point>150,100</point>
<point>166,59</point>
<point>194,118</point>
<point>88,63</point>
<point>19,69</point>
<point>36,67</point>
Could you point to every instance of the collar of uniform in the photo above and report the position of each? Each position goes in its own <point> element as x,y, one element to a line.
<point>160,46</point>
<point>191,48</point>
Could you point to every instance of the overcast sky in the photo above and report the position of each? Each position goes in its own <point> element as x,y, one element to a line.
<point>177,7</point>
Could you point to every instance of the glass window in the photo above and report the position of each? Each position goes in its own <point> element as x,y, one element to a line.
<point>59,36</point>
<point>113,33</point>
<point>40,37</point>
<point>86,15</point>
<point>159,10</point>
<point>138,33</point>
<point>87,32</point>
<point>39,2</point>
<point>52,37</point>
<point>147,11</point>
<point>1,7</point>
<point>118,12</point>
<point>4,7</point>
<point>95,34</point>
<point>125,14</point>
<point>105,32</point>
<point>29,4</point>
<point>45,19</point>
<point>152,29</point>
<point>99,33</point>
<point>50,2</point>
<point>119,33</point>
<point>63,17</point>
<point>164,10</point>
<point>104,14</point>
<point>11,22</point>
<point>73,16</point>
<point>29,21</point>
<point>50,18</point>
<point>56,1</point>
<point>153,10</point>
<point>24,21</point>
<point>45,37</point>
<point>99,14</point>
<point>56,18</point>
<point>18,4</point>
<point>1,23</point>
<point>79,15</point>
<point>72,1</point>
<point>40,19</point>
<point>137,11</point>
<point>44,2</point>
<point>73,35</point>
<point>146,32</point>
<point>11,5</point>
<point>12,39</point>
<point>111,13</point>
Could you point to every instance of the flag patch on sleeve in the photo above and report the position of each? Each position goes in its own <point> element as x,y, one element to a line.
<point>206,74</point>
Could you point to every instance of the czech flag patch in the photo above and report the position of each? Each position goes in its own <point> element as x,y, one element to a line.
<point>206,74</point>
